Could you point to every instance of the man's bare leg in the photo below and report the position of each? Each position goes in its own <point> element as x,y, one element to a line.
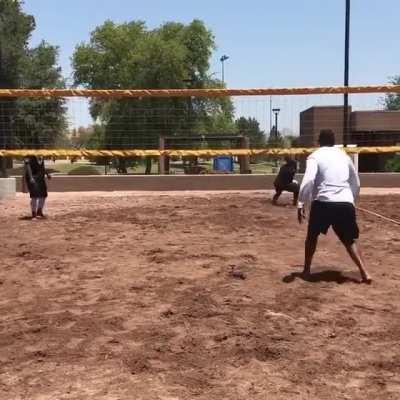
<point>310,247</point>
<point>356,256</point>
<point>295,197</point>
<point>296,190</point>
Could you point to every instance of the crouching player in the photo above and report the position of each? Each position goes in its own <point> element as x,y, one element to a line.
<point>284,181</point>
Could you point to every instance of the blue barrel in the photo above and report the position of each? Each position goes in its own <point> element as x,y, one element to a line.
<point>223,163</point>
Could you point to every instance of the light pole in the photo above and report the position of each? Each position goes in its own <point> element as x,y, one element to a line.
<point>223,59</point>
<point>276,112</point>
<point>346,76</point>
<point>270,114</point>
<point>189,84</point>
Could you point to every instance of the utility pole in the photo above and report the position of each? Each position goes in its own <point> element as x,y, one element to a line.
<point>3,117</point>
<point>270,114</point>
<point>346,77</point>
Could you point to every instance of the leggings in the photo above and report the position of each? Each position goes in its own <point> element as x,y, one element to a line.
<point>37,203</point>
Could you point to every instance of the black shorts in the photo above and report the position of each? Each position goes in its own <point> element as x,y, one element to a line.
<point>341,216</point>
<point>292,187</point>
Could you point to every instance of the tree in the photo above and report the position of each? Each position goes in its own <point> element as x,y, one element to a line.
<point>26,122</point>
<point>251,127</point>
<point>393,164</point>
<point>129,55</point>
<point>291,140</point>
<point>15,30</point>
<point>90,137</point>
<point>40,122</point>
<point>275,138</point>
<point>391,100</point>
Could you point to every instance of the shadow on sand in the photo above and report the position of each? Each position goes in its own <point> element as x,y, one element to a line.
<point>321,276</point>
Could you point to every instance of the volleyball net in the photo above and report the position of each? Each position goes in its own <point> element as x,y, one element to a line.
<point>60,123</point>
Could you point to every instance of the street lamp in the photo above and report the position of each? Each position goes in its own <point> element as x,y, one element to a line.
<point>222,59</point>
<point>276,112</point>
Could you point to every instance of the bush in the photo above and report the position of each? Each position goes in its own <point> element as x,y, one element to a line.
<point>84,170</point>
<point>393,165</point>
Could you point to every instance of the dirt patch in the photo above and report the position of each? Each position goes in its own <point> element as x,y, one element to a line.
<point>193,296</point>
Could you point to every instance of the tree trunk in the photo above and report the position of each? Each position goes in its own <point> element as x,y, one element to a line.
<point>7,110</point>
<point>121,168</point>
<point>3,170</point>
<point>148,166</point>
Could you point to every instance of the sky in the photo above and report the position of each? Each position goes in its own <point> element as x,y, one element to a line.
<point>270,43</point>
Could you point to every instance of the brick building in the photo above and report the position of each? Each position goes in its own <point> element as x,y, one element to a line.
<point>366,128</point>
<point>314,119</point>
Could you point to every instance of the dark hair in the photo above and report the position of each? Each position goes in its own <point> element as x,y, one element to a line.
<point>326,137</point>
<point>33,161</point>
<point>290,161</point>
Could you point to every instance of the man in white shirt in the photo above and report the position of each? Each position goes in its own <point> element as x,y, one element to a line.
<point>332,185</point>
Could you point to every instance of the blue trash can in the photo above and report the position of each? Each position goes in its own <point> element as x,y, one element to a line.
<point>223,163</point>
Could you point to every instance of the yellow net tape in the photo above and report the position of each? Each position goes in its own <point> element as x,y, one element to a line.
<point>64,153</point>
<point>138,93</point>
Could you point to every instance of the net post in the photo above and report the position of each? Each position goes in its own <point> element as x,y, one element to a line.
<point>161,158</point>
<point>355,157</point>
<point>244,161</point>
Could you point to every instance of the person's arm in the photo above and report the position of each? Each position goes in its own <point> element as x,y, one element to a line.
<point>293,171</point>
<point>44,171</point>
<point>29,172</point>
<point>354,180</point>
<point>307,186</point>
<point>278,176</point>
<point>47,173</point>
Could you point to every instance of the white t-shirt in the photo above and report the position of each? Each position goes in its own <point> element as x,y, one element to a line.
<point>330,176</point>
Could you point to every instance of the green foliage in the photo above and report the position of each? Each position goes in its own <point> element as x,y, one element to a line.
<point>28,122</point>
<point>392,101</point>
<point>41,122</point>
<point>84,170</point>
<point>251,127</point>
<point>275,139</point>
<point>291,141</point>
<point>129,55</point>
<point>393,165</point>
<point>91,137</point>
<point>15,30</point>
<point>40,67</point>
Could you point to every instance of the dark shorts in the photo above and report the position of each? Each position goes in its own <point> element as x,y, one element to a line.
<point>341,216</point>
<point>291,187</point>
<point>37,189</point>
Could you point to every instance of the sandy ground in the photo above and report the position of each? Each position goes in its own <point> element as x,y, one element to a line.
<point>196,295</point>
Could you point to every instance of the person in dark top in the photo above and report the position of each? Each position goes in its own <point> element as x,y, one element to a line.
<point>285,182</point>
<point>35,178</point>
